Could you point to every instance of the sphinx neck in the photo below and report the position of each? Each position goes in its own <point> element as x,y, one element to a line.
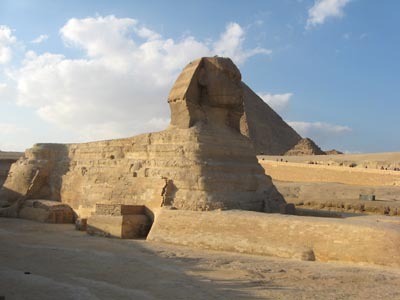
<point>216,116</point>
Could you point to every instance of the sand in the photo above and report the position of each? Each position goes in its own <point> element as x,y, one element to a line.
<point>330,184</point>
<point>44,261</point>
<point>371,160</point>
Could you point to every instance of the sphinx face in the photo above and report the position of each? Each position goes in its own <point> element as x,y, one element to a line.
<point>208,90</point>
<point>222,82</point>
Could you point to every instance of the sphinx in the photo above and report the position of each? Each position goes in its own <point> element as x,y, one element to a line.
<point>200,162</point>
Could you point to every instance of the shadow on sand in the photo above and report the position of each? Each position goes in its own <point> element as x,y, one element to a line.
<point>46,261</point>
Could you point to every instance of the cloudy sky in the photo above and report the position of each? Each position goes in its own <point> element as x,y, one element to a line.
<point>76,71</point>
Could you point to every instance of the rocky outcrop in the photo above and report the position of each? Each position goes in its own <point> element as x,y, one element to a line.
<point>46,211</point>
<point>201,162</point>
<point>305,146</point>
<point>270,134</point>
<point>357,240</point>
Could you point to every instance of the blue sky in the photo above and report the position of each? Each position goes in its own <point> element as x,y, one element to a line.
<point>88,70</point>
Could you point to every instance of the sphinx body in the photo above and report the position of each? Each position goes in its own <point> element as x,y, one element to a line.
<point>200,162</point>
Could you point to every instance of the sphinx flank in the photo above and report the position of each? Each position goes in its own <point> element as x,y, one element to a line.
<point>200,162</point>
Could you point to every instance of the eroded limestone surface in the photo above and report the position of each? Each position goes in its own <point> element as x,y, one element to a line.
<point>372,240</point>
<point>201,162</point>
<point>46,211</point>
<point>122,221</point>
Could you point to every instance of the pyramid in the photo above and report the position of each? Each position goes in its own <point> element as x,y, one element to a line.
<point>269,133</point>
<point>305,146</point>
<point>333,152</point>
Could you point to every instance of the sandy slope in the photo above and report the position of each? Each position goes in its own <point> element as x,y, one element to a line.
<point>67,264</point>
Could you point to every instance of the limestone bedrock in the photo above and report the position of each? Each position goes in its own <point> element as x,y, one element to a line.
<point>200,162</point>
<point>361,239</point>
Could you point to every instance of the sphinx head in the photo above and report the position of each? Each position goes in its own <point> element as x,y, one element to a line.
<point>208,90</point>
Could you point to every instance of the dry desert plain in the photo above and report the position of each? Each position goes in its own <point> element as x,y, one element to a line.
<point>335,182</point>
<point>372,160</point>
<point>58,262</point>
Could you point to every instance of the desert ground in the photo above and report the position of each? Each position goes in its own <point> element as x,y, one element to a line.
<point>335,182</point>
<point>47,261</point>
<point>371,160</point>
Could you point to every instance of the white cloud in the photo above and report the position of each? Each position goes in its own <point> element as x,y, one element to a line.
<point>120,86</point>
<point>101,36</point>
<point>13,146</point>
<point>40,39</point>
<point>6,41</point>
<point>11,129</point>
<point>319,131</point>
<point>231,44</point>
<point>323,9</point>
<point>7,93</point>
<point>279,102</point>
<point>326,135</point>
<point>346,35</point>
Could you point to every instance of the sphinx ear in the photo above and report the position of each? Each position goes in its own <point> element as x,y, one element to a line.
<point>202,77</point>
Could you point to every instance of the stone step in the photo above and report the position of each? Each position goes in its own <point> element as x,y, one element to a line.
<point>124,227</point>
<point>119,220</point>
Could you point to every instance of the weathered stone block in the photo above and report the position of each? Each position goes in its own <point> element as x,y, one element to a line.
<point>124,227</point>
<point>119,209</point>
<point>81,224</point>
<point>47,211</point>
